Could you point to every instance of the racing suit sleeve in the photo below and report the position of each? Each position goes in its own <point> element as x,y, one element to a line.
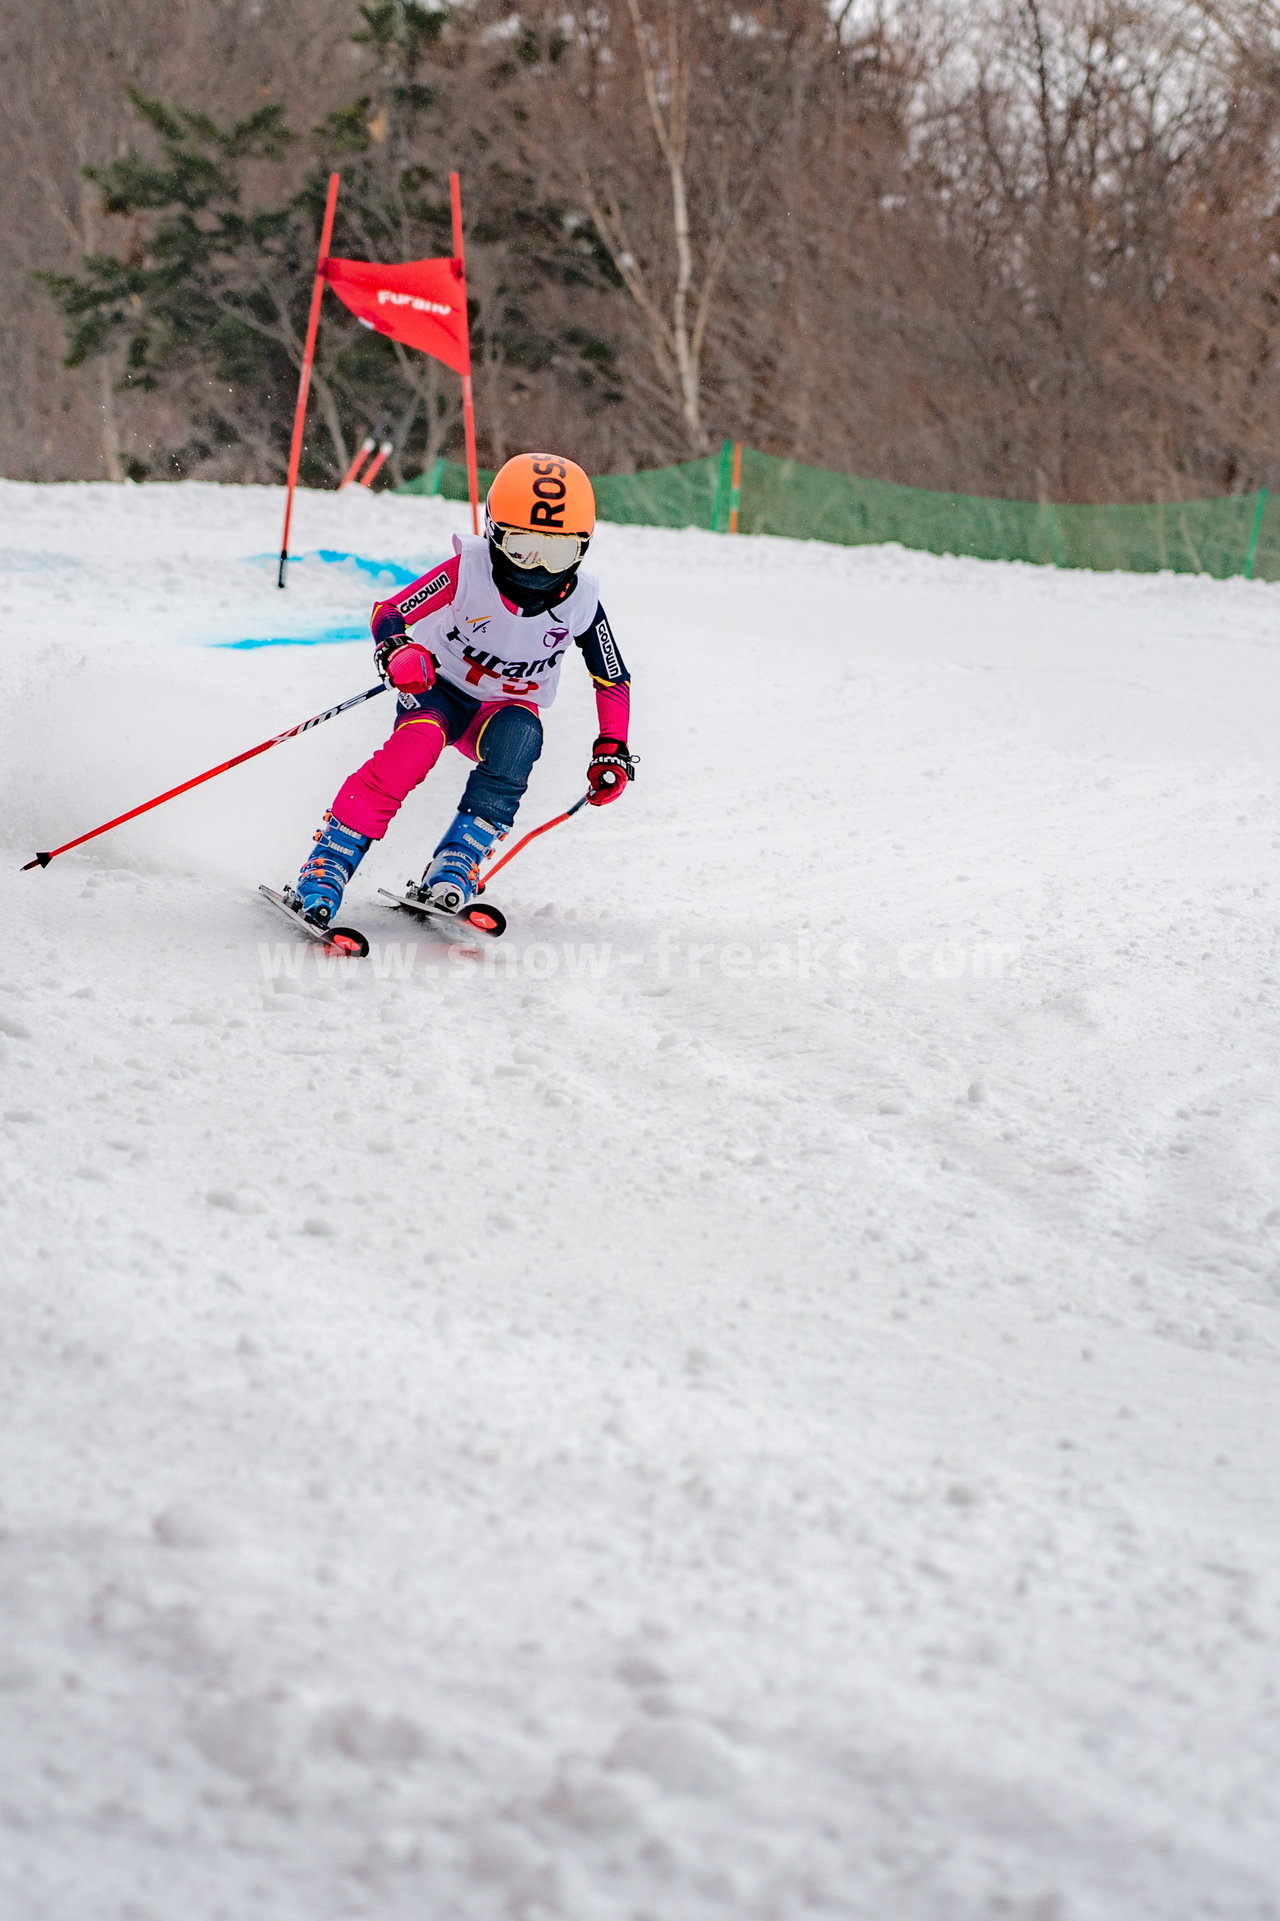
<point>609,675</point>
<point>391,618</point>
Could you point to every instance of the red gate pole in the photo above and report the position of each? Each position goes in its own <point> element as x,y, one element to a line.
<point>374,468</point>
<point>367,446</point>
<point>468,399</point>
<point>304,382</point>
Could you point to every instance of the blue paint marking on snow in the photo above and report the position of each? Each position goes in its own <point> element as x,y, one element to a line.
<point>399,571</point>
<point>401,574</point>
<point>20,560</point>
<point>327,637</point>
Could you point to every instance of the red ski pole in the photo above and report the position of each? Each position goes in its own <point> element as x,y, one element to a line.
<point>533,833</point>
<point>237,760</point>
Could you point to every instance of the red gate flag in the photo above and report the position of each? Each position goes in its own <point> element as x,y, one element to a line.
<point>421,302</point>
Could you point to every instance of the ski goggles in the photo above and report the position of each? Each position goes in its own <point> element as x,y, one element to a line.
<point>554,553</point>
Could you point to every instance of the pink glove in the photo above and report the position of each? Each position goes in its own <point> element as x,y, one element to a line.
<point>410,669</point>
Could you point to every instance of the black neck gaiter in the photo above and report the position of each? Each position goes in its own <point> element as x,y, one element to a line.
<point>532,589</point>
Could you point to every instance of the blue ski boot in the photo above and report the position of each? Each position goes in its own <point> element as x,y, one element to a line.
<point>452,876</point>
<point>325,872</point>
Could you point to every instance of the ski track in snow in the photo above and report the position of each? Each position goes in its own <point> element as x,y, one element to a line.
<point>590,1428</point>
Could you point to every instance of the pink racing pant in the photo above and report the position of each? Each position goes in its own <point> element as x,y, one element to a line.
<point>369,799</point>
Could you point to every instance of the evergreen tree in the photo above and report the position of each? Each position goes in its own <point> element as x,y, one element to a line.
<point>208,298</point>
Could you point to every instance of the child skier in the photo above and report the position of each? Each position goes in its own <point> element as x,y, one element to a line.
<point>493,625</point>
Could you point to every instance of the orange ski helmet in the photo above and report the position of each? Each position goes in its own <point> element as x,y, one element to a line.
<point>543,493</point>
<point>539,517</point>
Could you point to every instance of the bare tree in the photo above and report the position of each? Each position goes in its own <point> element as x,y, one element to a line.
<point>1022,247</point>
<point>670,112</point>
<point>62,106</point>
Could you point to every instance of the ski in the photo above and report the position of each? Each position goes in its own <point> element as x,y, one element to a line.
<point>338,940</point>
<point>477,915</point>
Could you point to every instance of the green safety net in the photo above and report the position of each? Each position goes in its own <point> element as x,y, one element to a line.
<point>1236,535</point>
<point>683,496</point>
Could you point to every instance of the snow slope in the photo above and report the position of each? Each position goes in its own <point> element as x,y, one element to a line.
<point>755,1396</point>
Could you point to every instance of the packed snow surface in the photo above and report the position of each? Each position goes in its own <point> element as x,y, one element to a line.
<point>755,1396</point>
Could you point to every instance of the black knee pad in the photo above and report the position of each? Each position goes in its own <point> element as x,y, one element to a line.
<point>510,743</point>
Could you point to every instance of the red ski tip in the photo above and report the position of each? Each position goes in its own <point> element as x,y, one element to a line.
<point>41,860</point>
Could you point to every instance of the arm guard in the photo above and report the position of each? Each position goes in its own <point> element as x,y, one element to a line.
<point>609,675</point>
